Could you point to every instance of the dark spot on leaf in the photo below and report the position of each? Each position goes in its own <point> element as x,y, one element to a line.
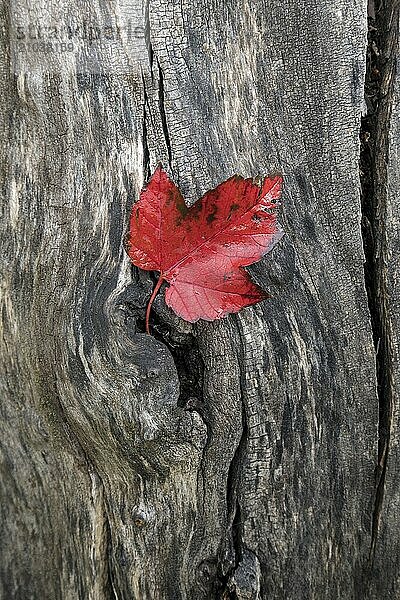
<point>174,197</point>
<point>212,216</point>
<point>181,206</point>
<point>196,209</point>
<point>170,197</point>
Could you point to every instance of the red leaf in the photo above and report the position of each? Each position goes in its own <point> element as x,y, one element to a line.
<point>199,250</point>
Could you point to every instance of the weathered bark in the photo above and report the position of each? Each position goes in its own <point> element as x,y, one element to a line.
<point>383,223</point>
<point>228,459</point>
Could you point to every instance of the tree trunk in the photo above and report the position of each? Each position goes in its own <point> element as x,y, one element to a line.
<point>255,457</point>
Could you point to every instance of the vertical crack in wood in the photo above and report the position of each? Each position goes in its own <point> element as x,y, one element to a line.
<point>242,580</point>
<point>233,505</point>
<point>161,103</point>
<point>375,126</point>
<point>147,34</point>
<point>146,152</point>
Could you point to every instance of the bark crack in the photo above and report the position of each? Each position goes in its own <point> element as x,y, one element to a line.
<point>161,103</point>
<point>235,528</point>
<point>147,35</point>
<point>236,580</point>
<point>375,127</point>
<point>146,152</point>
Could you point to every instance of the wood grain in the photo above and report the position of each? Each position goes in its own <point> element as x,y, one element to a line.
<point>383,574</point>
<point>233,459</point>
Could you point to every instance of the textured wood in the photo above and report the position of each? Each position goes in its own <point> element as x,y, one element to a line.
<point>228,459</point>
<point>384,574</point>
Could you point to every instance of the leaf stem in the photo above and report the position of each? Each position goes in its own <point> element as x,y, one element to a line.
<point>154,294</point>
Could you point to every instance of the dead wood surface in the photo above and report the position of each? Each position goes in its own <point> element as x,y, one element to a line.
<point>234,459</point>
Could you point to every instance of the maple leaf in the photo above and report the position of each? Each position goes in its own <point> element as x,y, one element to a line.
<point>200,250</point>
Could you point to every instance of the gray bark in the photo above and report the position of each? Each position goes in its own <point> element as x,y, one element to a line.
<point>255,457</point>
